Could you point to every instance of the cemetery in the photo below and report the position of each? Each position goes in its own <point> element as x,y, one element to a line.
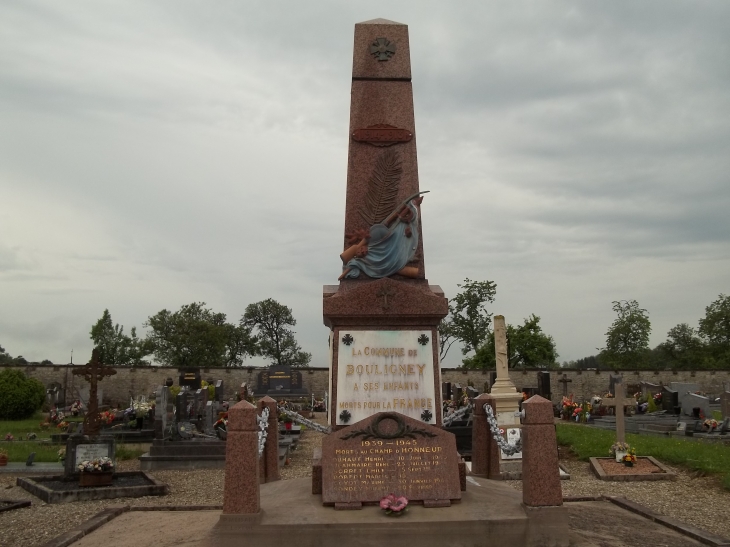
<point>390,450</point>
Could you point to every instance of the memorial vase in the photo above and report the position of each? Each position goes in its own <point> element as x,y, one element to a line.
<point>620,455</point>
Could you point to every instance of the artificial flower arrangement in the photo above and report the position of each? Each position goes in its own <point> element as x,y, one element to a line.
<point>107,416</point>
<point>394,506</point>
<point>619,447</point>
<point>568,408</point>
<point>710,424</point>
<point>56,416</point>
<point>9,437</point>
<point>61,454</point>
<point>76,407</point>
<point>96,466</point>
<point>630,458</point>
<point>62,424</point>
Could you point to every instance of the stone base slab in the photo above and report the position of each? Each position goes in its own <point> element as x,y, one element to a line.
<point>488,509</point>
<point>41,487</point>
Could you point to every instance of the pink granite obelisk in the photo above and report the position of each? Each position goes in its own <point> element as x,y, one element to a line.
<point>540,472</point>
<point>391,309</point>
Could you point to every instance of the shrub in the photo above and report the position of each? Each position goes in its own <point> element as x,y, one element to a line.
<point>22,396</point>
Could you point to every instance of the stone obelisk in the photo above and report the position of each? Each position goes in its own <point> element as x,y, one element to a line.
<point>383,315</point>
<point>507,399</point>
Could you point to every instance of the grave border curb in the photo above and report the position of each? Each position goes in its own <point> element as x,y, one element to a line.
<point>684,529</point>
<point>86,527</point>
<point>600,473</point>
<point>14,504</point>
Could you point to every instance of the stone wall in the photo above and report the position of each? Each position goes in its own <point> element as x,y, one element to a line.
<point>130,382</point>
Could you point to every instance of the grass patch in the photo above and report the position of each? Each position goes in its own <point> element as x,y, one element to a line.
<point>710,458</point>
<point>717,415</point>
<point>18,451</point>
<point>20,428</point>
<point>124,452</point>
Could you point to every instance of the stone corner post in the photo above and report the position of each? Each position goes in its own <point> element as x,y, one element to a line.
<point>540,472</point>
<point>270,456</point>
<point>484,452</point>
<point>241,494</point>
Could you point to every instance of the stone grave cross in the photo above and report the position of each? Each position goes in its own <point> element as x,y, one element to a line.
<point>93,372</point>
<point>619,403</point>
<point>565,381</point>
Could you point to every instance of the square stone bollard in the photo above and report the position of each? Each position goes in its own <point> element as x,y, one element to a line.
<point>241,494</point>
<point>540,472</point>
<point>484,449</point>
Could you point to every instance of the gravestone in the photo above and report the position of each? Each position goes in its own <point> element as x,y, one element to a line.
<point>190,378</point>
<point>181,406</point>
<point>81,448</point>
<point>389,453</point>
<point>612,381</point>
<point>219,391</point>
<point>491,378</point>
<point>543,384</point>
<point>691,401</point>
<point>670,400</point>
<point>208,419</point>
<point>684,387</point>
<point>725,426</point>
<point>161,407</point>
<point>200,400</point>
<point>725,404</point>
<point>446,391</point>
<point>280,380</point>
<point>383,314</point>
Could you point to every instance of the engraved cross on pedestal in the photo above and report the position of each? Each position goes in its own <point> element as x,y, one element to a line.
<point>619,403</point>
<point>92,373</point>
<point>385,292</point>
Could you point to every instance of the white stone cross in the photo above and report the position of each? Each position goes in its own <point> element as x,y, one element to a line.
<point>618,403</point>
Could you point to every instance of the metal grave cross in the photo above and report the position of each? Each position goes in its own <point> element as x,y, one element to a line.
<point>92,373</point>
<point>619,403</point>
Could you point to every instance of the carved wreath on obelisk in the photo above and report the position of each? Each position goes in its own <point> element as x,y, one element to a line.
<point>391,242</point>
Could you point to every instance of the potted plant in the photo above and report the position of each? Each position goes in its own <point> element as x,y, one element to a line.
<point>287,423</point>
<point>629,458</point>
<point>3,457</point>
<point>96,472</point>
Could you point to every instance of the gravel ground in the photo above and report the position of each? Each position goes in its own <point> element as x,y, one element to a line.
<point>699,501</point>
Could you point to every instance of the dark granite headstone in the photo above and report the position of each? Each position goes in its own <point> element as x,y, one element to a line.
<point>725,404</point>
<point>491,378</point>
<point>190,378</point>
<point>181,406</point>
<point>280,378</point>
<point>670,401</point>
<point>389,453</point>
<point>30,459</point>
<point>543,384</point>
<point>446,391</point>
<point>80,448</point>
<point>219,391</point>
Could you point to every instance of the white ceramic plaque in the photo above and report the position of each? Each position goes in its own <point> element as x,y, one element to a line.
<point>90,452</point>
<point>513,435</point>
<point>385,371</point>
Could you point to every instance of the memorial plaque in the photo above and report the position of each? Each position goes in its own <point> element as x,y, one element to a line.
<point>382,371</point>
<point>389,453</point>
<point>280,378</point>
<point>90,452</point>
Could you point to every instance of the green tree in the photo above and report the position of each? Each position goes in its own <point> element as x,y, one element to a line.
<point>195,336</point>
<point>275,339</point>
<point>715,330</point>
<point>683,348</point>
<point>4,356</point>
<point>469,321</point>
<point>21,397</point>
<point>527,347</point>
<point>627,340</point>
<point>116,348</point>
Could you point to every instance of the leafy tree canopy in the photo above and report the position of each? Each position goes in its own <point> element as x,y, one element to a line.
<point>627,339</point>
<point>527,347</point>
<point>275,340</point>
<point>195,336</point>
<point>715,329</point>
<point>116,348</point>
<point>468,321</point>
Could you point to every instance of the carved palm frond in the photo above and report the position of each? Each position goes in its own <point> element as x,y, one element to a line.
<point>380,199</point>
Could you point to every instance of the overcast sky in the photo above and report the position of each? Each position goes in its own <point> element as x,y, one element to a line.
<point>154,154</point>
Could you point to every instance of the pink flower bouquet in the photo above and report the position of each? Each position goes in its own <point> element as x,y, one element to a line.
<point>394,506</point>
